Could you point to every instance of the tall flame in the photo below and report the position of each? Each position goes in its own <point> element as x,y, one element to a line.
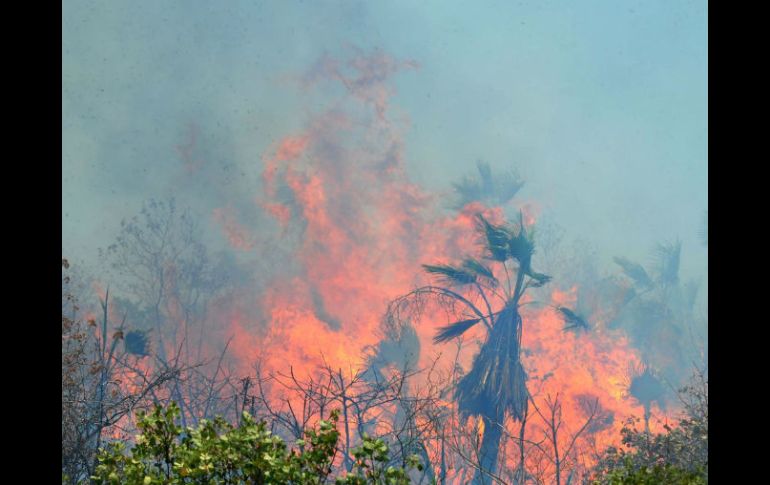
<point>358,230</point>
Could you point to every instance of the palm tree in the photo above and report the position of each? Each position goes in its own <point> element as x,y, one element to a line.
<point>646,387</point>
<point>488,291</point>
<point>492,189</point>
<point>659,314</point>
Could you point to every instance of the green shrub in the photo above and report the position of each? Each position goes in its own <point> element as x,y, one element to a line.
<point>677,456</point>
<point>216,452</point>
<point>630,474</point>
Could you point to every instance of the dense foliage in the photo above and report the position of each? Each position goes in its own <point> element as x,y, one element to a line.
<point>216,452</point>
<point>677,456</point>
<point>629,474</point>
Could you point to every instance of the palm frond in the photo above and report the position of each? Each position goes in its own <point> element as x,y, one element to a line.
<point>482,272</point>
<point>497,189</point>
<point>467,190</point>
<point>451,275</point>
<point>507,185</point>
<point>667,256</point>
<point>485,175</point>
<point>635,271</point>
<point>539,279</point>
<point>521,248</point>
<point>496,239</point>
<point>572,319</point>
<point>454,330</point>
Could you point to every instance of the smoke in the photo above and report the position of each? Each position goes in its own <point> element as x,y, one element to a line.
<point>320,169</point>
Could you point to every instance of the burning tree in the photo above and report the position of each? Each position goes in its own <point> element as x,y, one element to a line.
<point>646,388</point>
<point>488,293</point>
<point>677,455</point>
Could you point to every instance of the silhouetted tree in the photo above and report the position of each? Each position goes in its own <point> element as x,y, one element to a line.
<point>102,382</point>
<point>487,291</point>
<point>169,279</point>
<point>678,455</point>
<point>659,311</point>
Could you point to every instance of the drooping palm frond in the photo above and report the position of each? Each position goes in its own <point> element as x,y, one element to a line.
<point>496,239</point>
<point>521,249</point>
<point>496,383</point>
<point>667,256</point>
<point>481,271</point>
<point>521,245</point>
<point>503,243</point>
<point>454,330</point>
<point>539,279</point>
<point>572,319</point>
<point>635,271</point>
<point>451,275</point>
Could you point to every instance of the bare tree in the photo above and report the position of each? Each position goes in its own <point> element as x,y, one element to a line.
<point>561,441</point>
<point>170,280</point>
<point>102,384</point>
<point>369,404</point>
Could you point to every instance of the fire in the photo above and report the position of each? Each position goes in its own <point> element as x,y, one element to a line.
<point>359,230</point>
<point>365,229</point>
<point>581,367</point>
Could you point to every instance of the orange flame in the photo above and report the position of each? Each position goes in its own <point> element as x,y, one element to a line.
<point>359,231</point>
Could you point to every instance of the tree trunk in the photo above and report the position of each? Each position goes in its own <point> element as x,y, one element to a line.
<point>490,447</point>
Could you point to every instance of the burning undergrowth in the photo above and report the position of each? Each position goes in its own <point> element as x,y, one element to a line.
<point>359,232</point>
<point>349,235</point>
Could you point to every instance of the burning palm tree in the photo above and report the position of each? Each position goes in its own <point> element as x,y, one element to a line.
<point>645,386</point>
<point>488,291</point>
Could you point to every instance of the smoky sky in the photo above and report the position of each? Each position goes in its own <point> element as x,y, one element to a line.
<point>600,105</point>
